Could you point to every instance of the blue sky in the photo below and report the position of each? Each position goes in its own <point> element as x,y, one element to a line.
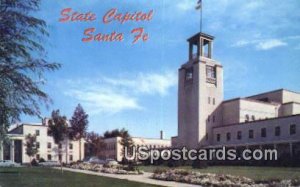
<point>135,86</point>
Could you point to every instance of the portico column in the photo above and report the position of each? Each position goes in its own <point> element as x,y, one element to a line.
<point>291,149</point>
<point>12,150</point>
<point>1,150</point>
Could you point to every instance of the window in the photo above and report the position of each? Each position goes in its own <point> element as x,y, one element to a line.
<point>228,136</point>
<point>71,158</point>
<point>218,137</point>
<point>239,135</point>
<point>189,74</point>
<point>253,118</point>
<point>247,118</point>
<point>48,133</point>
<point>208,100</point>
<point>214,119</point>
<point>263,132</point>
<point>59,146</point>
<point>251,134</point>
<point>277,131</point>
<point>37,145</point>
<point>49,145</point>
<point>60,157</point>
<point>208,118</point>
<point>293,129</point>
<point>49,157</point>
<point>210,72</point>
<point>214,101</point>
<point>38,157</point>
<point>37,132</point>
<point>70,146</point>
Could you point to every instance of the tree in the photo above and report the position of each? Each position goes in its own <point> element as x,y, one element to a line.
<point>126,142</point>
<point>112,134</point>
<point>79,124</point>
<point>58,127</point>
<point>31,147</point>
<point>22,61</point>
<point>95,144</point>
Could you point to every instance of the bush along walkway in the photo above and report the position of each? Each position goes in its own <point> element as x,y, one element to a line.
<point>217,180</point>
<point>143,178</point>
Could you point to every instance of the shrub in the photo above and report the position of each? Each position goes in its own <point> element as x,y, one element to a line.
<point>34,162</point>
<point>42,160</point>
<point>160,171</point>
<point>199,164</point>
<point>182,172</point>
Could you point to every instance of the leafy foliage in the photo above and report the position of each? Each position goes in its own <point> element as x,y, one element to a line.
<point>79,124</point>
<point>95,143</point>
<point>113,134</point>
<point>126,143</point>
<point>58,127</point>
<point>22,61</point>
<point>31,148</point>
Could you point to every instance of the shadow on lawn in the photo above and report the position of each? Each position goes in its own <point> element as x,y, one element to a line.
<point>9,172</point>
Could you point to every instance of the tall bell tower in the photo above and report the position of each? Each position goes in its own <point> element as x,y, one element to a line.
<point>200,94</point>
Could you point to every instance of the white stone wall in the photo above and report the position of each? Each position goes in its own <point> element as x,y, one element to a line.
<point>44,139</point>
<point>114,148</point>
<point>289,96</point>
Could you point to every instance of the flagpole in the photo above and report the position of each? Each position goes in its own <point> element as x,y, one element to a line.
<point>201,9</point>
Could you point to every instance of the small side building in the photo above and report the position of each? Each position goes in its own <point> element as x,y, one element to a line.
<point>15,150</point>
<point>114,148</point>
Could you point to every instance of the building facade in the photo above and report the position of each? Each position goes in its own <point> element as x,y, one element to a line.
<point>114,149</point>
<point>15,150</point>
<point>269,119</point>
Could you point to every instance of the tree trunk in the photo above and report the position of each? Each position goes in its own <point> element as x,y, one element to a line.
<point>60,160</point>
<point>80,149</point>
<point>67,147</point>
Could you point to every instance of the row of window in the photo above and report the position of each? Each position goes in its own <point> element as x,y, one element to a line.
<point>49,157</point>
<point>37,133</point>
<point>210,73</point>
<point>49,145</point>
<point>263,133</point>
<point>112,147</point>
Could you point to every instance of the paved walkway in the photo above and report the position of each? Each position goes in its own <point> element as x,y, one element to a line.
<point>146,178</point>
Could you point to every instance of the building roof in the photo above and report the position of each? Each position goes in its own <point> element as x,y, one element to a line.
<point>273,91</point>
<point>198,35</point>
<point>251,100</point>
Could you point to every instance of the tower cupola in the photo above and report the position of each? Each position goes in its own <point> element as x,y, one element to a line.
<point>200,45</point>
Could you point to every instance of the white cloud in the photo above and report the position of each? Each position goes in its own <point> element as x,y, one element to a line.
<point>113,95</point>
<point>185,5</point>
<point>104,100</point>
<point>147,83</point>
<point>261,44</point>
<point>270,44</point>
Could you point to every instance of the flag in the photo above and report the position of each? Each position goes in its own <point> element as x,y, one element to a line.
<point>199,5</point>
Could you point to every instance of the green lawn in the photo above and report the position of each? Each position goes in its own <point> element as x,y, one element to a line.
<point>32,177</point>
<point>256,173</point>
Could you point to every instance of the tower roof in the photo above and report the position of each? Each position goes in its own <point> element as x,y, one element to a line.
<point>198,35</point>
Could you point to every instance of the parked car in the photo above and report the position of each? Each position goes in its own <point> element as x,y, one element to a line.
<point>8,163</point>
<point>111,162</point>
<point>94,160</point>
<point>50,164</point>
